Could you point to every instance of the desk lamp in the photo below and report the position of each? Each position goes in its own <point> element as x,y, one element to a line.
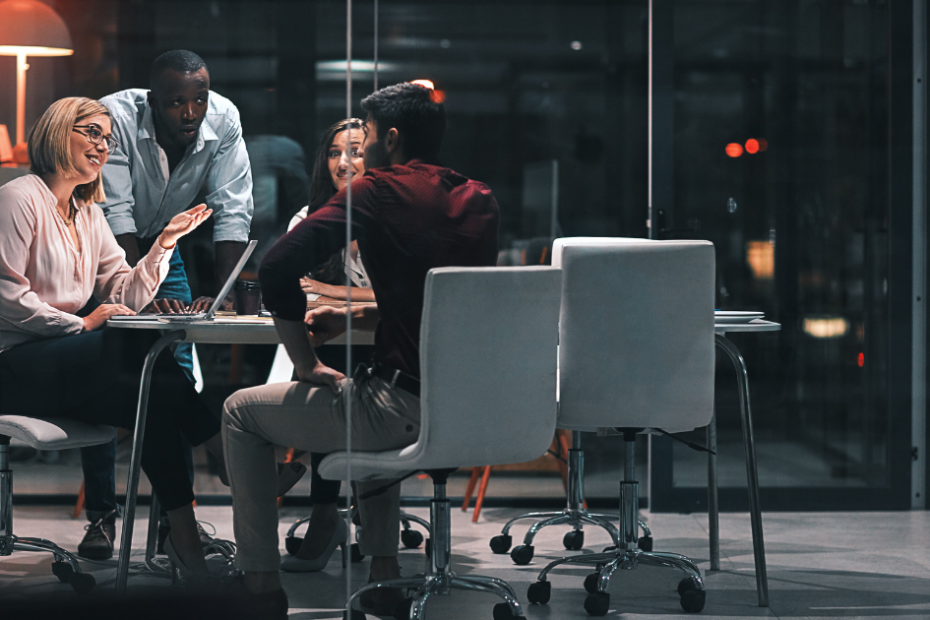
<point>30,28</point>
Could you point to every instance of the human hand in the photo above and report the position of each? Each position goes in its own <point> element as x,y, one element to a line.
<point>325,323</point>
<point>183,223</point>
<point>103,312</point>
<point>321,373</point>
<point>165,306</point>
<point>202,304</point>
<point>309,285</point>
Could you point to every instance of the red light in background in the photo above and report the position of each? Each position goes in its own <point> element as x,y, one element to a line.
<point>763,145</point>
<point>734,149</point>
<point>752,146</point>
<point>438,96</point>
<point>424,83</point>
<point>861,360</point>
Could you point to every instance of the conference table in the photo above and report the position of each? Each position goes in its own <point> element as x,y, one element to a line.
<point>256,330</point>
<point>220,330</point>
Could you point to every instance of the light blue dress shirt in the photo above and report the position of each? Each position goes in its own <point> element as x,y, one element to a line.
<point>142,197</point>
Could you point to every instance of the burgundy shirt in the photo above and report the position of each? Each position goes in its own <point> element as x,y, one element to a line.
<point>407,220</point>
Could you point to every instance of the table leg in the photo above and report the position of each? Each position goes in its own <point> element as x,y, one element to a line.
<point>755,510</point>
<point>132,482</point>
<point>713,505</point>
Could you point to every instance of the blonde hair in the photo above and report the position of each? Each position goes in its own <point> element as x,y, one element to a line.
<point>50,142</point>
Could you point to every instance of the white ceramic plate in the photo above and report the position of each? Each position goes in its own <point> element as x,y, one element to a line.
<point>736,316</point>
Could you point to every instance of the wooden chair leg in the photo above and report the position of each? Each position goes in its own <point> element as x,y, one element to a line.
<point>475,472</point>
<point>481,491</point>
<point>79,504</point>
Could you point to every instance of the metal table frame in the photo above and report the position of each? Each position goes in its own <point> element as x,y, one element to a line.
<point>752,476</point>
<point>222,331</point>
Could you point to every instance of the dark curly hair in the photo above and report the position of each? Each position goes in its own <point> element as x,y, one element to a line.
<point>180,61</point>
<point>415,112</point>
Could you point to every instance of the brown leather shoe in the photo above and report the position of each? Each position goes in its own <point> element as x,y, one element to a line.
<point>98,541</point>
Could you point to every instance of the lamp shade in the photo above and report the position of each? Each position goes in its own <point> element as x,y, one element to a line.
<point>33,28</point>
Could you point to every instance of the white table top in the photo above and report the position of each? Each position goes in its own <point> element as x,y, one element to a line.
<point>756,325</point>
<point>231,330</point>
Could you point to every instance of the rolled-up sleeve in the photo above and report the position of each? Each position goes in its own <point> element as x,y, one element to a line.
<point>308,245</point>
<point>117,185</point>
<point>229,186</point>
<point>19,304</point>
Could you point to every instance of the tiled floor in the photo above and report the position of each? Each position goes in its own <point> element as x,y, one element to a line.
<point>850,565</point>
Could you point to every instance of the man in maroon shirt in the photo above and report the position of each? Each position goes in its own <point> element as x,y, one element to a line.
<point>408,215</point>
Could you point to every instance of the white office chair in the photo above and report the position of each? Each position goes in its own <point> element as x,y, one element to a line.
<point>574,514</point>
<point>488,342</point>
<point>636,353</point>
<point>43,434</point>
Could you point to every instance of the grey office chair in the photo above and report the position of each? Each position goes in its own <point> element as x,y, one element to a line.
<point>636,353</point>
<point>43,434</point>
<point>488,343</point>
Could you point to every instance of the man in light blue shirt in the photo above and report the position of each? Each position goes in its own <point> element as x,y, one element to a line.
<point>175,140</point>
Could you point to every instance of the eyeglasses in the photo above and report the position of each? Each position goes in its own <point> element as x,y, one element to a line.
<point>94,136</point>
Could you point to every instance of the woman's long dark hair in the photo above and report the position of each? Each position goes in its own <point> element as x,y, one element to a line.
<point>321,187</point>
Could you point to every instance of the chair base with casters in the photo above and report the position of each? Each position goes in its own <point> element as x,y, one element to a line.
<point>440,580</point>
<point>43,434</point>
<point>574,515</point>
<point>627,556</point>
<point>409,537</point>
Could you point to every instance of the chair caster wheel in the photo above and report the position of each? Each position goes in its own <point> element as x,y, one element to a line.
<point>501,544</point>
<point>522,554</point>
<point>428,548</point>
<point>645,543</point>
<point>502,611</point>
<point>597,603</point>
<point>590,583</point>
<point>83,583</point>
<point>573,541</point>
<point>693,601</point>
<point>411,538</point>
<point>355,554</point>
<point>292,544</point>
<point>63,570</point>
<point>539,592</point>
<point>686,585</point>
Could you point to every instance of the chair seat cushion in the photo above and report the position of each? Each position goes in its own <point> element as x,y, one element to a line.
<point>370,465</point>
<point>54,433</point>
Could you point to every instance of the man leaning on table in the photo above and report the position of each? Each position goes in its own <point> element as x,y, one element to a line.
<point>175,140</point>
<point>408,216</point>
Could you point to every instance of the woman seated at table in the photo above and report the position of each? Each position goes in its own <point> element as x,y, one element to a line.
<point>56,251</point>
<point>339,151</point>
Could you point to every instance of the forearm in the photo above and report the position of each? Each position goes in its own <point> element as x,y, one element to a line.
<point>228,254</point>
<point>130,246</point>
<point>342,292</point>
<point>365,318</point>
<point>296,341</point>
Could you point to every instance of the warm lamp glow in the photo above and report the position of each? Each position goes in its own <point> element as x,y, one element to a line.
<point>734,149</point>
<point>424,83</point>
<point>16,50</point>
<point>825,326</point>
<point>760,256</point>
<point>30,28</point>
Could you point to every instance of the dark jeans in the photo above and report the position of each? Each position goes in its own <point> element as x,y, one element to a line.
<point>94,377</point>
<point>324,491</point>
<point>99,462</point>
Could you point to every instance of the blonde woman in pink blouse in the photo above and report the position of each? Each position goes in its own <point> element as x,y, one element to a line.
<point>56,252</point>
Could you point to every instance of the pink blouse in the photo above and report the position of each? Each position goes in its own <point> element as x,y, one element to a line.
<point>44,280</point>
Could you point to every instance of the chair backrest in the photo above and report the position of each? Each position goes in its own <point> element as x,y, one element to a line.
<point>488,355</point>
<point>636,334</point>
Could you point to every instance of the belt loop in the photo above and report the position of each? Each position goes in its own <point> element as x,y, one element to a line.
<point>394,378</point>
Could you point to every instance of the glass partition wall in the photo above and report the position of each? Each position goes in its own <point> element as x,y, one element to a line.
<point>774,145</point>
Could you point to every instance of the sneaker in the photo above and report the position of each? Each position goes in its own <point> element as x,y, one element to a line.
<point>98,541</point>
<point>205,539</point>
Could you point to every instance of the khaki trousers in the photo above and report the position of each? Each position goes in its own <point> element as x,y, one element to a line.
<point>310,417</point>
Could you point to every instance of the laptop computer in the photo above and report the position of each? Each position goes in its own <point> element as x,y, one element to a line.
<point>199,316</point>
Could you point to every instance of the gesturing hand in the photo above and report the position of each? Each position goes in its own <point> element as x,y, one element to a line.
<point>183,223</point>
<point>325,323</point>
<point>321,373</point>
<point>103,312</point>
